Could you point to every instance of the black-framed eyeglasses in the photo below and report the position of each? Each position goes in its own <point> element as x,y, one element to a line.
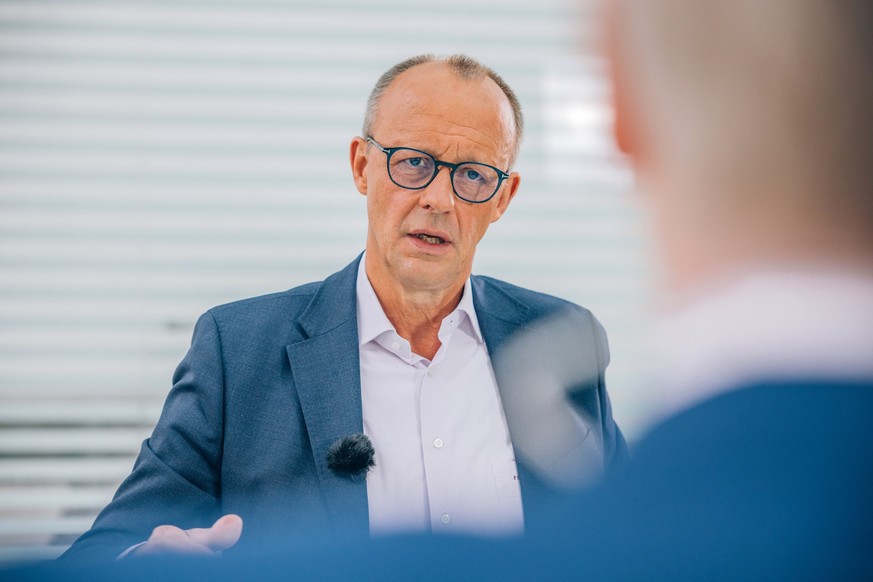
<point>414,169</point>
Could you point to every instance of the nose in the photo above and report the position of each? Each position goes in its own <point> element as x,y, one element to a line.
<point>439,196</point>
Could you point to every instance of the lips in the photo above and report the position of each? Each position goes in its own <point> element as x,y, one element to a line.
<point>434,238</point>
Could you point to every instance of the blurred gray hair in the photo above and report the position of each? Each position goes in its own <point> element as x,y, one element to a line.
<point>466,68</point>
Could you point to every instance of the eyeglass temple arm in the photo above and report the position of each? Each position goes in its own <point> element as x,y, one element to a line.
<point>375,143</point>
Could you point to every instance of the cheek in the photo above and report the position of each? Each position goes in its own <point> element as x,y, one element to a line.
<point>476,224</point>
<point>386,211</point>
<point>379,196</point>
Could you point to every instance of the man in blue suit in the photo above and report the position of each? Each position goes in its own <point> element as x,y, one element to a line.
<point>264,421</point>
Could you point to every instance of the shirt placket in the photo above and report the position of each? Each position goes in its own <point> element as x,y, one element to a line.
<point>437,444</point>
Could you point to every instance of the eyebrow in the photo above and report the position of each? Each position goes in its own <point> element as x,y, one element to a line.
<point>460,160</point>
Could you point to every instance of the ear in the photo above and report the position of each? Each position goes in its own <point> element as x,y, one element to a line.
<point>622,127</point>
<point>505,196</point>
<point>358,161</point>
<point>622,122</point>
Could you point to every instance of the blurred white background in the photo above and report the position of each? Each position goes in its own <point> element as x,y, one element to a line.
<point>161,157</point>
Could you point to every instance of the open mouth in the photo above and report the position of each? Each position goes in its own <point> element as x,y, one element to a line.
<point>434,240</point>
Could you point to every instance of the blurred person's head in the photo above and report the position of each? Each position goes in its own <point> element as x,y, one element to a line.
<point>749,125</point>
<point>425,219</point>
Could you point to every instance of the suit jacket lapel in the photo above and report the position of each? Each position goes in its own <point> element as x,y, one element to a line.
<point>326,370</point>
<point>499,314</point>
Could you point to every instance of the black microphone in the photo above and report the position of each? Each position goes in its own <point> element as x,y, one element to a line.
<point>352,456</point>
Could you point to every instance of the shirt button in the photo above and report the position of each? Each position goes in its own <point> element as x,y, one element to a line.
<point>438,443</point>
<point>446,518</point>
<point>431,372</point>
<point>395,346</point>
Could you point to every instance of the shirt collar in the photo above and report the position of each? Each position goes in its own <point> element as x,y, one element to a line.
<point>372,321</point>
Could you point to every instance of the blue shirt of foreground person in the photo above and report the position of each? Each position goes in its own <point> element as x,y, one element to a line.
<point>404,346</point>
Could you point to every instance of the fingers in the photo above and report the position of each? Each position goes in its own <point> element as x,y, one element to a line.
<point>169,539</point>
<point>224,533</point>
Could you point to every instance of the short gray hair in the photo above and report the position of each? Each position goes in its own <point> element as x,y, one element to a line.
<point>466,68</point>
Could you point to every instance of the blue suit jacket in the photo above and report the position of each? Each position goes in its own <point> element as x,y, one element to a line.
<point>268,385</point>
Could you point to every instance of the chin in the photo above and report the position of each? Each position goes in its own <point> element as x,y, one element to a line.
<point>424,275</point>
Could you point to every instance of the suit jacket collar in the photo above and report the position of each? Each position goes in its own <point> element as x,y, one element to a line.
<point>333,305</point>
<point>500,315</point>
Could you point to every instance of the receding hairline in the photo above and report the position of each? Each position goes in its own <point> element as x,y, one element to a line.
<point>464,67</point>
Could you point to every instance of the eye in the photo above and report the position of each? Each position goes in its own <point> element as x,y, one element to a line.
<point>472,175</point>
<point>411,161</point>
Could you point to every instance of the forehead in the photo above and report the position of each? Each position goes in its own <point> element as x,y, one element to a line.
<point>431,107</point>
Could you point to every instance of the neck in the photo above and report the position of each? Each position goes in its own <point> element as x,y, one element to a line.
<point>416,314</point>
<point>738,228</point>
<point>689,275</point>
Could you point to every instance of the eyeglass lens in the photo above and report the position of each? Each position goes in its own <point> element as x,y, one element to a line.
<point>413,169</point>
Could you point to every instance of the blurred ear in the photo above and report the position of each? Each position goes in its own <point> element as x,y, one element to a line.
<point>622,121</point>
<point>358,161</point>
<point>505,196</point>
<point>622,127</point>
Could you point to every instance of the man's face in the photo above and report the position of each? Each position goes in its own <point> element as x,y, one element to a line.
<point>430,108</point>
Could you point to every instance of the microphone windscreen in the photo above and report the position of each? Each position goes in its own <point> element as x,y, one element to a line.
<point>351,455</point>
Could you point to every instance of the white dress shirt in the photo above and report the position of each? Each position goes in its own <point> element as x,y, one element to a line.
<point>766,326</point>
<point>444,460</point>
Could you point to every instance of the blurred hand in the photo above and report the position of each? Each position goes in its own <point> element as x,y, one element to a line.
<point>169,539</point>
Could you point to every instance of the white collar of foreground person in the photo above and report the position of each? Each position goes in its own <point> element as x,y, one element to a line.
<point>764,325</point>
